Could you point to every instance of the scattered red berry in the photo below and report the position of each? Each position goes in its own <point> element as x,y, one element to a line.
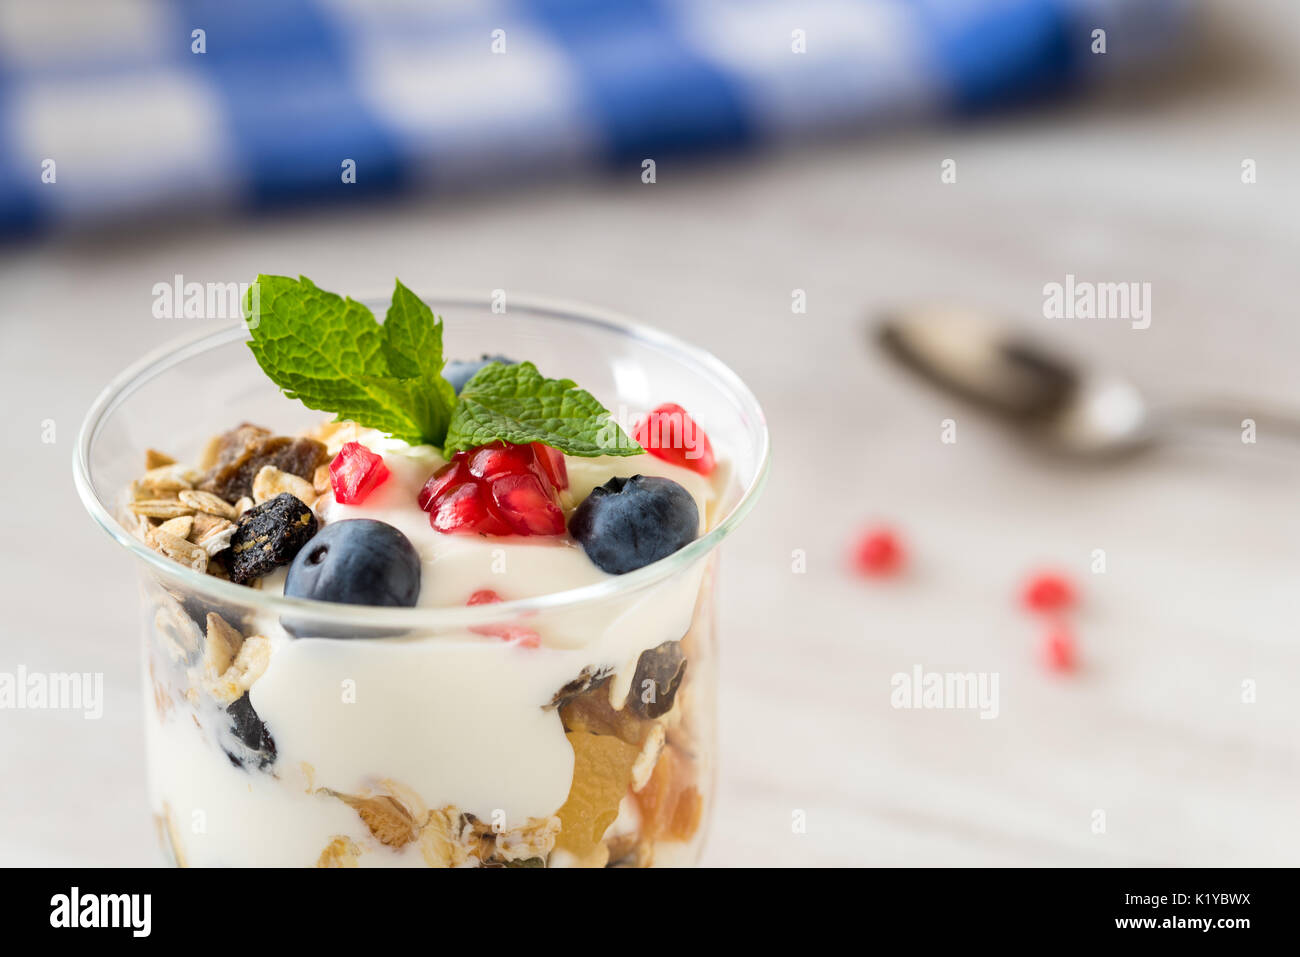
<point>525,636</point>
<point>1048,592</point>
<point>878,553</point>
<point>1059,649</point>
<point>497,489</point>
<point>355,473</point>
<point>670,434</point>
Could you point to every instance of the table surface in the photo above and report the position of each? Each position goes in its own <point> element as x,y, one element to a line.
<point>1198,595</point>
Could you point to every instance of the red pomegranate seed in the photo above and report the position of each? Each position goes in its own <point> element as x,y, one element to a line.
<point>1059,649</point>
<point>552,463</point>
<point>355,473</point>
<point>497,489</point>
<point>522,502</point>
<point>450,474</point>
<point>878,553</point>
<point>669,433</point>
<point>1049,592</point>
<point>525,636</point>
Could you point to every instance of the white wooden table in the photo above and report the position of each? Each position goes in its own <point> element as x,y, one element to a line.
<point>1203,560</point>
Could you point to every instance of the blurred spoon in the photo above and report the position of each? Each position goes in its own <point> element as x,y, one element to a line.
<point>1059,404</point>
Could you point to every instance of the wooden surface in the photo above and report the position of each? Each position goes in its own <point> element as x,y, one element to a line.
<point>1201,542</point>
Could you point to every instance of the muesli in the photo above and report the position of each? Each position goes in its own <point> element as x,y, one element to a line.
<point>543,741</point>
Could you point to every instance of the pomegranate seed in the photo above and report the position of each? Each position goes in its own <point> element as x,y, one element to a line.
<point>552,463</point>
<point>1048,592</point>
<point>521,501</point>
<point>497,489</point>
<point>355,473</point>
<point>878,553</point>
<point>1059,649</point>
<point>669,433</point>
<point>525,636</point>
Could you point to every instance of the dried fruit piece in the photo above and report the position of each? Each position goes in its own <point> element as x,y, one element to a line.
<point>269,535</point>
<point>592,712</point>
<point>232,477</point>
<point>671,805</point>
<point>386,817</point>
<point>590,677</point>
<point>355,473</point>
<point>154,459</point>
<point>659,673</point>
<point>247,743</point>
<point>602,771</point>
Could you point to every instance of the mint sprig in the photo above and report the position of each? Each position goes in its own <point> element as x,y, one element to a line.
<point>516,403</point>
<point>331,354</point>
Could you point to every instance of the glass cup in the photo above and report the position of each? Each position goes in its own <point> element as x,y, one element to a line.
<point>436,743</point>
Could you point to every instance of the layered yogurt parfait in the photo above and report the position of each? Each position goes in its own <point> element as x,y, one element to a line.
<point>457,614</point>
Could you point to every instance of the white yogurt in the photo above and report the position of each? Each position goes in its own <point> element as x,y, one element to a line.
<point>457,717</point>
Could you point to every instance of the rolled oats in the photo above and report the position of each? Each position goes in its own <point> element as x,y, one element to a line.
<point>320,480</point>
<point>222,644</point>
<point>161,508</point>
<point>206,502</point>
<point>216,538</point>
<point>180,526</point>
<point>154,459</point>
<point>270,482</point>
<point>187,553</point>
<point>248,665</point>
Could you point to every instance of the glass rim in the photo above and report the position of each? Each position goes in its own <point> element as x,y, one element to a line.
<point>159,360</point>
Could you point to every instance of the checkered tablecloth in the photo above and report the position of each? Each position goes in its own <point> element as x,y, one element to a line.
<point>113,109</point>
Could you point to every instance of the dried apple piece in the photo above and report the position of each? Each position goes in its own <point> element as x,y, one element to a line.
<point>671,805</point>
<point>602,770</point>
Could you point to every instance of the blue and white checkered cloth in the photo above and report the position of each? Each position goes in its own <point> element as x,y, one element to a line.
<point>109,109</point>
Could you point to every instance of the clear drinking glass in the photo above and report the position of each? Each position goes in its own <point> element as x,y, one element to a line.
<point>435,743</point>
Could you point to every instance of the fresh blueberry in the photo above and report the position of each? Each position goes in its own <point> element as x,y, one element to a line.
<point>460,371</point>
<point>630,522</point>
<point>358,562</point>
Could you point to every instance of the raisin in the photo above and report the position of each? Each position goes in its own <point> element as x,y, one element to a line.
<point>232,476</point>
<point>249,744</point>
<point>268,536</point>
<point>664,666</point>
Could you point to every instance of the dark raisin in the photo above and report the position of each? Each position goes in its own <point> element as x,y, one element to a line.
<point>268,536</point>
<point>248,743</point>
<point>659,674</point>
<point>232,477</point>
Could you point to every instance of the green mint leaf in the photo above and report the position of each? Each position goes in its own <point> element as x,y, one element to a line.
<point>330,354</point>
<point>413,346</point>
<point>518,404</point>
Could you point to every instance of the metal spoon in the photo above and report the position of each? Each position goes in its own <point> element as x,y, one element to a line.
<point>1059,404</point>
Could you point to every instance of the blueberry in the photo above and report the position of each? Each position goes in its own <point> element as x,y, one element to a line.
<point>630,522</point>
<point>358,562</point>
<point>460,371</point>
